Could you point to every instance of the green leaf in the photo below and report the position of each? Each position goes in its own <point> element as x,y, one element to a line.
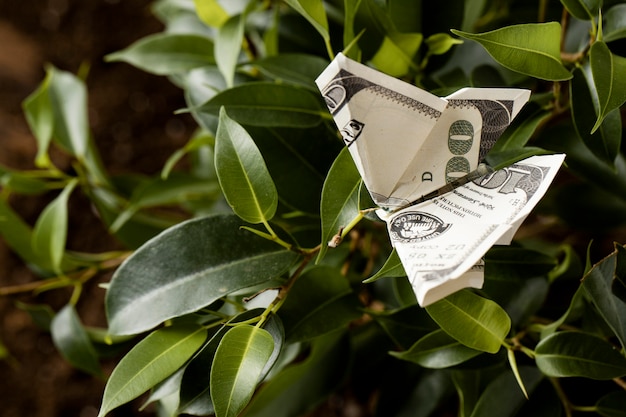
<point>38,113</point>
<point>268,104</point>
<point>531,49</point>
<point>298,69</point>
<point>598,285</point>
<point>391,268</point>
<point>607,69</point>
<point>22,182</point>
<point>612,405</point>
<point>299,387</point>
<point>437,350</point>
<point>50,231</point>
<point>167,53</point>
<point>405,325</point>
<point>228,46</point>
<point>351,8</point>
<point>582,9</point>
<point>440,43</point>
<point>237,367</point>
<point>211,13</point>
<point>313,11</point>
<point>475,321</point>
<point>503,397</point>
<point>340,198</point>
<point>517,135</point>
<point>618,286</point>
<point>152,360</point>
<point>568,353</point>
<point>605,142</point>
<point>242,173</point>
<point>68,98</point>
<point>17,234</point>
<point>395,55</point>
<point>614,26</point>
<point>71,339</point>
<point>188,267</point>
<point>319,302</point>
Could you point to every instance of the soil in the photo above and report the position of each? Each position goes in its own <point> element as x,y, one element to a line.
<point>132,119</point>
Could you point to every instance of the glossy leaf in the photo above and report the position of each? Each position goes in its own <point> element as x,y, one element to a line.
<point>242,173</point>
<point>607,69</point>
<point>71,339</point>
<point>437,350</point>
<point>605,142</point>
<point>395,55</point>
<point>50,231</point>
<point>598,286</point>
<point>152,360</point>
<point>618,286</point>
<point>237,367</point>
<point>614,26</point>
<point>391,268</point>
<point>475,321</point>
<point>167,53</point>
<point>188,267</point>
<point>299,387</point>
<point>440,43</point>
<point>228,46</point>
<point>17,234</point>
<point>299,69</point>
<point>38,113</point>
<point>313,11</point>
<point>211,13</point>
<point>503,397</point>
<point>568,353</point>
<point>268,104</point>
<point>531,49</point>
<point>612,405</point>
<point>68,98</point>
<point>582,9</point>
<point>340,198</point>
<point>319,302</point>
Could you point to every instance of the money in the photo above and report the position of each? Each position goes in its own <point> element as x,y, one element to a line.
<point>383,121</point>
<point>420,158</point>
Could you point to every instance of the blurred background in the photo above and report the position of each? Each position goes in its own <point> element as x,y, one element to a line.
<point>133,122</point>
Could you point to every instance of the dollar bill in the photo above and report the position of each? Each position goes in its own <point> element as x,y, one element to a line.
<point>420,158</point>
<point>407,142</point>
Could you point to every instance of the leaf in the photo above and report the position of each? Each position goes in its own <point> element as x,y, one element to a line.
<point>242,173</point>
<point>612,405</point>
<point>237,367</point>
<point>598,286</point>
<point>38,113</point>
<point>228,46</point>
<point>607,69</point>
<point>152,360</point>
<point>17,234</point>
<point>395,55</point>
<point>582,9</point>
<point>319,302</point>
<point>267,104</point>
<point>605,142</point>
<point>167,53</point>
<point>340,198</point>
<point>517,135</point>
<point>313,11</point>
<point>71,339</point>
<point>211,13</point>
<point>440,43</point>
<point>476,322</point>
<point>437,350</point>
<point>568,353</point>
<point>405,325</point>
<point>190,265</point>
<point>618,286</point>
<point>503,397</point>
<point>298,69</point>
<point>614,26</point>
<point>351,8</point>
<point>391,268</point>
<point>300,386</point>
<point>50,231</point>
<point>531,49</point>
<point>68,98</point>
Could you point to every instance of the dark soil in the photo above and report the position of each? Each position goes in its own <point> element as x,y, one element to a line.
<point>131,115</point>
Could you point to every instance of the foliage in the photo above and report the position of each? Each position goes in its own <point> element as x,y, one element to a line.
<point>241,308</point>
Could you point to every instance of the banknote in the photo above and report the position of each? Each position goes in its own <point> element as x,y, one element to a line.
<point>420,157</point>
<point>383,121</point>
